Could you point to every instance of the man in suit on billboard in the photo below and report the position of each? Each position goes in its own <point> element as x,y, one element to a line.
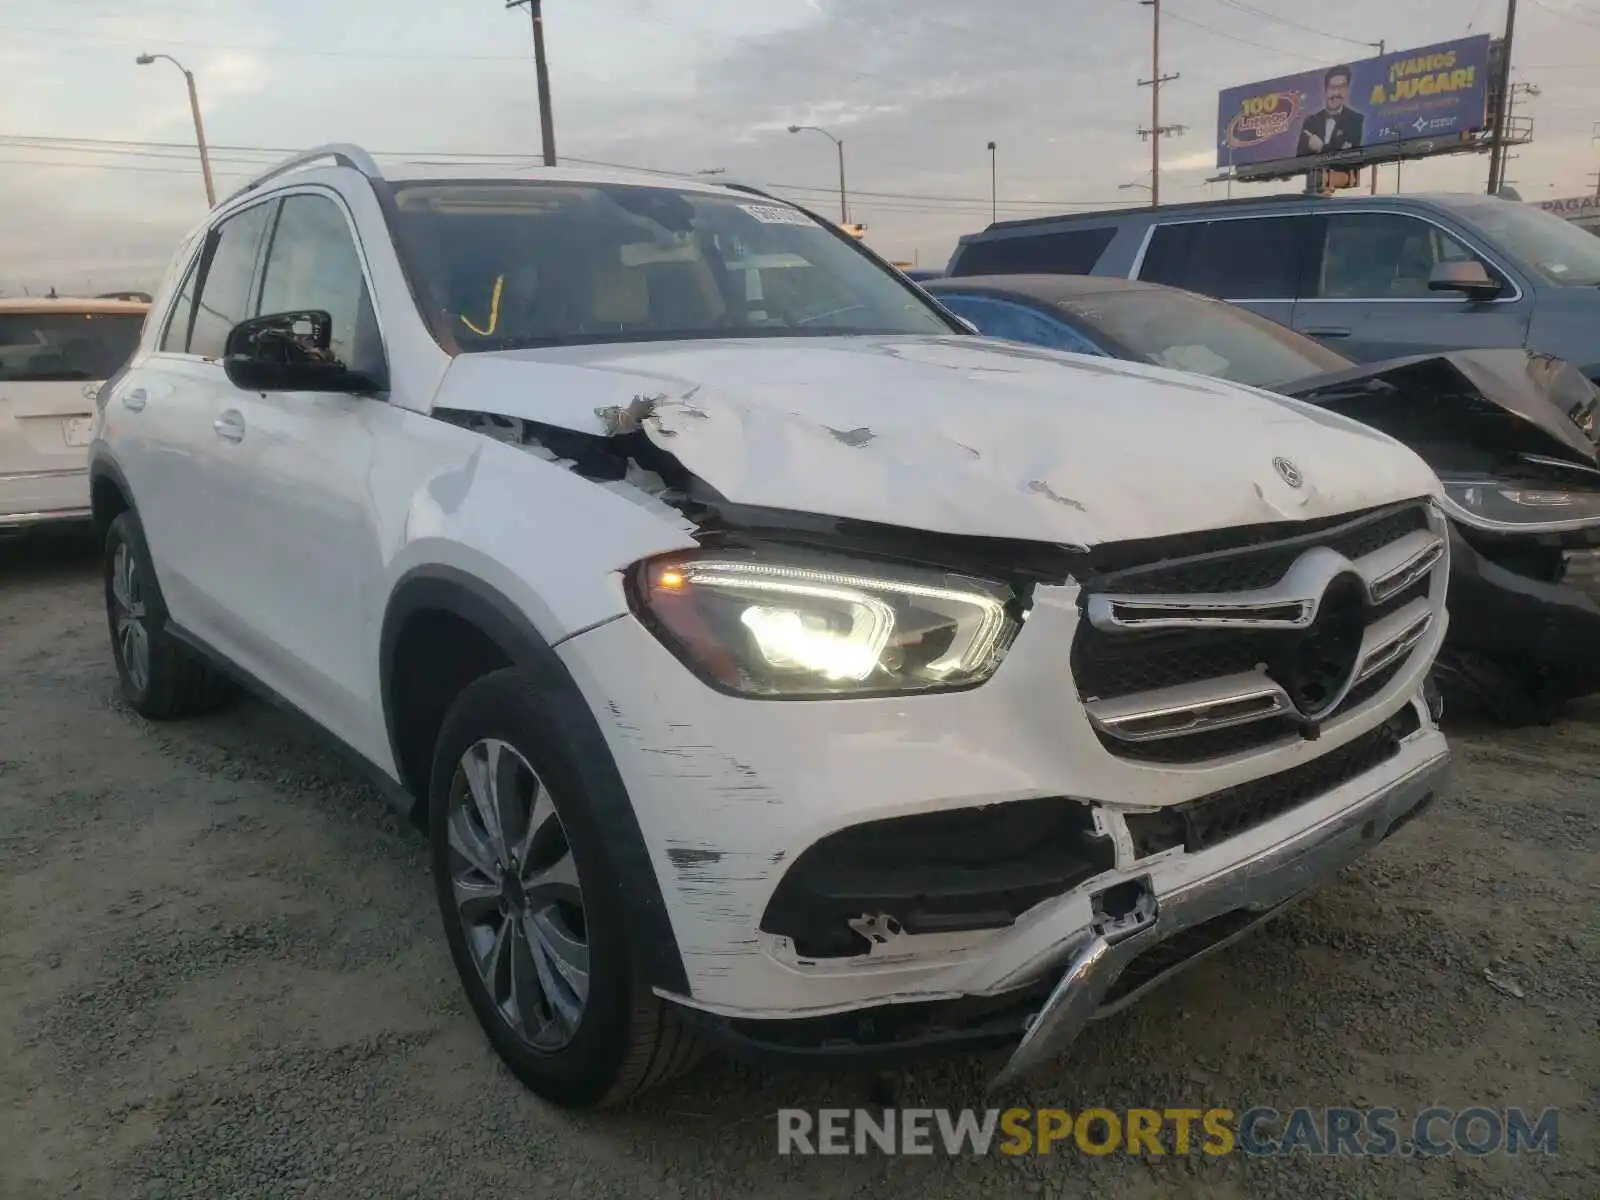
<point>1336,126</point>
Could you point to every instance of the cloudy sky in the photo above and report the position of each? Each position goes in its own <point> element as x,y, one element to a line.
<point>98,178</point>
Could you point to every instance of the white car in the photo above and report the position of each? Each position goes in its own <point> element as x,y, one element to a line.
<point>773,663</point>
<point>54,355</point>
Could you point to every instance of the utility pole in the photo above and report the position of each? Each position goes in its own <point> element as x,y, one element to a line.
<point>1157,130</point>
<point>547,125</point>
<point>1497,149</point>
<point>1506,158</point>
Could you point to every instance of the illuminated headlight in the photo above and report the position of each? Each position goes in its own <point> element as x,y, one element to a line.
<point>1499,506</point>
<point>825,627</point>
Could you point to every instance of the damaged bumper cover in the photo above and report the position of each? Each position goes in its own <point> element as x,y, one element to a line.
<point>1119,938</point>
<point>1137,936</point>
<point>1209,913</point>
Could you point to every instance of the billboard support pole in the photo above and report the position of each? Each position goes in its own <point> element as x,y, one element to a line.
<point>1497,152</point>
<point>1383,48</point>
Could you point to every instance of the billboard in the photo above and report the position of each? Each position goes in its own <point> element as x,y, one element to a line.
<point>1583,211</point>
<point>1437,91</point>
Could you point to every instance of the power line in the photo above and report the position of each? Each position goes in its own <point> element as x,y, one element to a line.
<point>1568,14</point>
<point>245,156</point>
<point>1253,11</point>
<point>1215,32</point>
<point>79,35</point>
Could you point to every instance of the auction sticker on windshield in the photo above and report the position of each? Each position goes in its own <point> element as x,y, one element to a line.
<point>773,214</point>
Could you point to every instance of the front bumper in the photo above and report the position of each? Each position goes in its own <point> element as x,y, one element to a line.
<point>1497,612</point>
<point>1228,904</point>
<point>730,793</point>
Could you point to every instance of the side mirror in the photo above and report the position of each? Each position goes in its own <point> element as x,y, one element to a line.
<point>288,352</point>
<point>1468,278</point>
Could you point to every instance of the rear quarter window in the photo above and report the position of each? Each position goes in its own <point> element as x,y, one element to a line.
<point>1244,258</point>
<point>1071,252</point>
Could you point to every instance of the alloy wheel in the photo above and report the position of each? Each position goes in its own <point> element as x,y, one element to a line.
<point>515,886</point>
<point>128,617</point>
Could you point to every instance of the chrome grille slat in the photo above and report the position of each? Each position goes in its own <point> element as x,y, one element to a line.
<point>1292,603</point>
<point>1163,671</point>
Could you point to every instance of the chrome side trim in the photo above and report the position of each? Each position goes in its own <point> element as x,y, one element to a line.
<point>59,473</point>
<point>20,520</point>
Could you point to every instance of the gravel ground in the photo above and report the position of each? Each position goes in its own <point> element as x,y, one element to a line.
<point>221,975</point>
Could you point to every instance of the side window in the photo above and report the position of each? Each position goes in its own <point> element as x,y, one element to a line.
<point>225,280</point>
<point>312,263</point>
<point>1383,256</point>
<point>1251,258</point>
<point>1017,323</point>
<point>175,337</point>
<point>1071,253</point>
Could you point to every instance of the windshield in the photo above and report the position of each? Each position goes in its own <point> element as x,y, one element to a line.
<point>1208,337</point>
<point>501,265</point>
<point>1561,252</point>
<point>40,347</point>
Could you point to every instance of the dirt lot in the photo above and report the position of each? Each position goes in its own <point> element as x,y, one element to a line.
<point>221,976</point>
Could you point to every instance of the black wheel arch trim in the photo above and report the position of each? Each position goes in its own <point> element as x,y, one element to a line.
<point>103,466</point>
<point>442,588</point>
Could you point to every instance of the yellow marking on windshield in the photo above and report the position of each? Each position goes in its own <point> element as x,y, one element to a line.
<point>494,310</point>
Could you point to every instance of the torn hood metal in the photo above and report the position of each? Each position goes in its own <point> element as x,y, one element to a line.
<point>959,435</point>
<point>1497,403</point>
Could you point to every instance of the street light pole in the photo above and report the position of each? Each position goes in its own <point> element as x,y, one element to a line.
<point>844,208</point>
<point>994,187</point>
<point>144,60</point>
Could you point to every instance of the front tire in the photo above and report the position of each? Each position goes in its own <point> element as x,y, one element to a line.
<point>533,911</point>
<point>161,678</point>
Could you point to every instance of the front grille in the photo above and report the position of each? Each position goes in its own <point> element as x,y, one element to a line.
<point>1210,820</point>
<point>1124,663</point>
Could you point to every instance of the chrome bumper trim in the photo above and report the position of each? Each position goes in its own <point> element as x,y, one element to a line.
<point>1263,884</point>
<point>21,520</point>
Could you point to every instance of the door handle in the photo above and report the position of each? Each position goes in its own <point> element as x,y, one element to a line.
<point>229,426</point>
<point>1326,331</point>
<point>135,399</point>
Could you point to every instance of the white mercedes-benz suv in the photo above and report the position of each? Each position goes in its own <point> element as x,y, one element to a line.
<point>773,663</point>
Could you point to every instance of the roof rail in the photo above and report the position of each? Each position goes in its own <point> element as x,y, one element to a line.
<point>342,153</point>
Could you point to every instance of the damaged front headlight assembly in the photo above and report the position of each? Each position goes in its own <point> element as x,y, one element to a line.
<point>1506,506</point>
<point>799,626</point>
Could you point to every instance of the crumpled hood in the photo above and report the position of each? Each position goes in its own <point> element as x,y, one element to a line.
<point>960,435</point>
<point>1503,401</point>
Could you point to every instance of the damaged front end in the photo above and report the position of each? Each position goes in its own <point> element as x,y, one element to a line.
<point>1513,437</point>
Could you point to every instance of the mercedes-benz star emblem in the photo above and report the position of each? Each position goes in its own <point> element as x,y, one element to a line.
<point>1289,472</point>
